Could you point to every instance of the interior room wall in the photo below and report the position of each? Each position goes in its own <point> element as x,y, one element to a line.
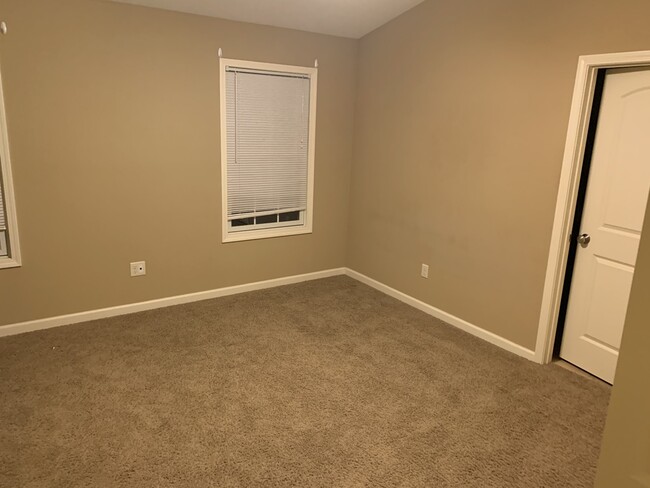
<point>113,121</point>
<point>625,455</point>
<point>461,116</point>
<point>461,120</point>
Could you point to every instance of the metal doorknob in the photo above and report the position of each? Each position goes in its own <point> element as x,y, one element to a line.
<point>584,240</point>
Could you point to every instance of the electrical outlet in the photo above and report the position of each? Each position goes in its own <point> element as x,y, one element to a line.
<point>139,268</point>
<point>425,271</point>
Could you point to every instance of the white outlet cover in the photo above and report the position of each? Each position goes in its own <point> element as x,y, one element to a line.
<point>138,268</point>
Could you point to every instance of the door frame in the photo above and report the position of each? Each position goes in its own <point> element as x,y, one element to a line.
<point>565,208</point>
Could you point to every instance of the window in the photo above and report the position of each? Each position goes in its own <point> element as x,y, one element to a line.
<point>268,117</point>
<point>9,250</point>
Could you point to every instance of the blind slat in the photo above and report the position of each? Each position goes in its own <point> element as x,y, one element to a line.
<point>267,130</point>
<point>283,74</point>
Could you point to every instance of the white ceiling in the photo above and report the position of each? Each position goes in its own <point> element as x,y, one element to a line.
<point>347,18</point>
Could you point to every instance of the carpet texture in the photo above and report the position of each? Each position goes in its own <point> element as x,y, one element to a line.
<point>326,383</point>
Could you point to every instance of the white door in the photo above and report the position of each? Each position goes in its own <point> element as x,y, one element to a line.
<point>615,202</point>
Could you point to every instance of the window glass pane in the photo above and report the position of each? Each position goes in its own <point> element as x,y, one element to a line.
<point>266,219</point>
<point>289,216</point>
<point>243,222</point>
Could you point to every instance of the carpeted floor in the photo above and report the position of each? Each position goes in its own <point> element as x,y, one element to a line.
<point>327,383</point>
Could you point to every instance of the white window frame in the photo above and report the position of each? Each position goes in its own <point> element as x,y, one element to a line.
<point>13,260</point>
<point>263,231</point>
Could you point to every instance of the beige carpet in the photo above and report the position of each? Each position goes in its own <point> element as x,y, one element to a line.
<point>327,383</point>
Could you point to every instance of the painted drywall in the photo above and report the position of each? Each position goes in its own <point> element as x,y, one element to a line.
<point>625,455</point>
<point>461,120</point>
<point>113,121</point>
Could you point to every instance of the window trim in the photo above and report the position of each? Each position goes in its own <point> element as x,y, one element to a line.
<point>14,259</point>
<point>263,233</point>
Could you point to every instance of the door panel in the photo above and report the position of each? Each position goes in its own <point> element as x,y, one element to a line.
<point>614,208</point>
<point>627,191</point>
<point>611,290</point>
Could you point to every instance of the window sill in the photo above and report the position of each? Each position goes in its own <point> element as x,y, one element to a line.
<point>264,233</point>
<point>9,263</point>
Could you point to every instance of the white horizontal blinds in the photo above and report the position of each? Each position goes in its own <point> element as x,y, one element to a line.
<point>3,222</point>
<point>3,218</point>
<point>267,118</point>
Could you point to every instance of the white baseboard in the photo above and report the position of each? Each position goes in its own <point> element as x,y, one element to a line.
<point>75,318</point>
<point>444,316</point>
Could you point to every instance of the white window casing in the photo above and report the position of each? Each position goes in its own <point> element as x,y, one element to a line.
<point>268,115</point>
<point>9,243</point>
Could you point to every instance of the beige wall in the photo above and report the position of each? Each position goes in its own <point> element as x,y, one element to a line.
<point>625,456</point>
<point>461,118</point>
<point>113,118</point>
